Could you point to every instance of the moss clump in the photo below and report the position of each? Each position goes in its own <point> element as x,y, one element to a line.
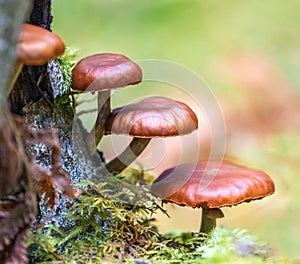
<point>113,222</point>
<point>67,62</point>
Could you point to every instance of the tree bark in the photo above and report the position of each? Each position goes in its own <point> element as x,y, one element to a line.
<point>41,14</point>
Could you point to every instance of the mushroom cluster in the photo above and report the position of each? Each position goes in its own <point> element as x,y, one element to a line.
<point>151,117</point>
<point>209,184</point>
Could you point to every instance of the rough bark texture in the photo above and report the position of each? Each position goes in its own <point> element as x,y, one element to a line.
<point>32,84</point>
<point>41,14</point>
<point>75,157</point>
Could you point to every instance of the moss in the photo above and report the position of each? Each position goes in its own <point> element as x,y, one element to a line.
<point>113,222</point>
<point>67,62</point>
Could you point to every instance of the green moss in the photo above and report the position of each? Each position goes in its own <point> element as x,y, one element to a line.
<point>113,222</point>
<point>65,100</point>
<point>67,62</point>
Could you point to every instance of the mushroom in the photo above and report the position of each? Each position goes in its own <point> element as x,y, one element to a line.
<point>151,117</point>
<point>36,46</point>
<point>102,73</point>
<point>211,184</point>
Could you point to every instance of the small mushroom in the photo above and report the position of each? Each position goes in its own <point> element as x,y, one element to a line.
<point>151,117</point>
<point>211,185</point>
<point>36,46</point>
<point>102,73</point>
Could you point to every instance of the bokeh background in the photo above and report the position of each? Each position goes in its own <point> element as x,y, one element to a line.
<point>248,52</point>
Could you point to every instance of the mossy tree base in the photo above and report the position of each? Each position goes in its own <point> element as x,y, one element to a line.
<point>107,230</point>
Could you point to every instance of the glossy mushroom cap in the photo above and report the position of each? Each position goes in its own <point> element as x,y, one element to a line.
<point>37,45</point>
<point>212,184</point>
<point>153,117</point>
<point>105,71</point>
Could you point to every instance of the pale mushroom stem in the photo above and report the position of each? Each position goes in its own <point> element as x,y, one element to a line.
<point>121,162</point>
<point>209,219</point>
<point>98,130</point>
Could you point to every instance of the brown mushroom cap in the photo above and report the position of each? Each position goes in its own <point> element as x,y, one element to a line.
<point>105,71</point>
<point>153,117</point>
<point>213,184</point>
<point>37,45</point>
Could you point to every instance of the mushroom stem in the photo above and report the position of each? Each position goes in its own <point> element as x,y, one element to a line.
<point>98,130</point>
<point>208,221</point>
<point>121,162</point>
<point>16,73</point>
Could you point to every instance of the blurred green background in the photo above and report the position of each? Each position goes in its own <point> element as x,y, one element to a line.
<point>249,54</point>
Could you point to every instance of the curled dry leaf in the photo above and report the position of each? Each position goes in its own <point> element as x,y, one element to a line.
<point>49,183</point>
<point>44,186</point>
